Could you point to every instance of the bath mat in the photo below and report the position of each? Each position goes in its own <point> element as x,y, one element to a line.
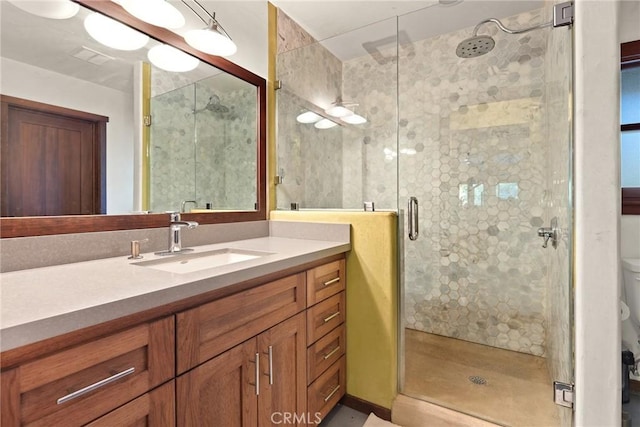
<point>374,421</point>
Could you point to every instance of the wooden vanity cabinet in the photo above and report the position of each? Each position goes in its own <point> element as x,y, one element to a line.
<point>326,337</point>
<point>271,354</point>
<point>77,385</point>
<point>249,384</point>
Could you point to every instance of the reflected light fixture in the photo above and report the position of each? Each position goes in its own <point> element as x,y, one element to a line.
<point>160,13</point>
<point>354,119</point>
<point>113,34</point>
<point>213,39</point>
<point>169,58</point>
<point>308,117</point>
<point>52,9</point>
<point>325,124</point>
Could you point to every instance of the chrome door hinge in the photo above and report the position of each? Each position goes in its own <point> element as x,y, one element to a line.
<point>563,394</point>
<point>146,120</point>
<point>563,14</point>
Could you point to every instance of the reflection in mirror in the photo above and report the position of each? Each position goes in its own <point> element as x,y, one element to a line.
<point>198,150</point>
<point>203,144</point>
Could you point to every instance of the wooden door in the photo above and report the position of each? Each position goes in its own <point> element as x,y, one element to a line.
<point>283,384</point>
<point>52,160</point>
<point>220,392</point>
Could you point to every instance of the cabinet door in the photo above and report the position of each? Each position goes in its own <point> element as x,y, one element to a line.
<point>153,409</point>
<point>283,381</point>
<point>221,392</point>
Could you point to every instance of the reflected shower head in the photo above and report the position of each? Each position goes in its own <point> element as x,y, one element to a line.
<point>214,105</point>
<point>475,46</point>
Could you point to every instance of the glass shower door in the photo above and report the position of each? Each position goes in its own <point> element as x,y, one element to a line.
<point>485,147</point>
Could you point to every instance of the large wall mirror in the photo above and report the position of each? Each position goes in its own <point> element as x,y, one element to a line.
<point>138,140</point>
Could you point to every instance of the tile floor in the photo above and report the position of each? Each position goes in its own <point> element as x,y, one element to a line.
<point>439,369</point>
<point>343,416</point>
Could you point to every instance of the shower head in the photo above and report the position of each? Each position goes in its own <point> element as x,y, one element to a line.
<point>475,46</point>
<point>479,45</point>
<point>214,105</point>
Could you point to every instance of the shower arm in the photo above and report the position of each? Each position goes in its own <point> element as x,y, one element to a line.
<point>507,30</point>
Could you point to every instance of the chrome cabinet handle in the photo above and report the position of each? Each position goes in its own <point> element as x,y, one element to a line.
<point>332,281</point>
<point>334,315</point>
<point>257,383</point>
<point>95,386</point>
<point>334,391</point>
<point>331,353</point>
<point>413,218</point>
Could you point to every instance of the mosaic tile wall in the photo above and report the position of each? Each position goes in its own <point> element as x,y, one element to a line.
<point>473,130</point>
<point>309,159</point>
<point>472,143</point>
<point>206,156</point>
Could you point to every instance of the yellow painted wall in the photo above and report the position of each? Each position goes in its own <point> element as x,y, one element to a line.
<point>372,302</point>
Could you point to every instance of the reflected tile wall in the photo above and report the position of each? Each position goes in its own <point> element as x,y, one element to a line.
<point>202,155</point>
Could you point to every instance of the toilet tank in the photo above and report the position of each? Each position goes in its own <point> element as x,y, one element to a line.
<point>631,280</point>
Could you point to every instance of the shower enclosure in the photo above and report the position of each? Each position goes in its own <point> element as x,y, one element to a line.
<point>203,143</point>
<point>481,145</point>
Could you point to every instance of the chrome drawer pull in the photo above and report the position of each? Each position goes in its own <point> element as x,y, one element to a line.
<point>331,353</point>
<point>95,386</point>
<point>334,391</point>
<point>336,314</point>
<point>332,281</point>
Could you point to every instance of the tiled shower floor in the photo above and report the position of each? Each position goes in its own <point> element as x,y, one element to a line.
<point>517,389</point>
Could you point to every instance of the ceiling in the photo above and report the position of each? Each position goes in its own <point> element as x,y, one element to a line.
<point>344,27</point>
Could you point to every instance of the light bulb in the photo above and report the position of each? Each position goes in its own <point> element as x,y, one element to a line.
<point>354,119</point>
<point>338,111</point>
<point>160,13</point>
<point>169,58</point>
<point>211,41</point>
<point>308,117</point>
<point>52,9</point>
<point>113,34</point>
<point>325,124</point>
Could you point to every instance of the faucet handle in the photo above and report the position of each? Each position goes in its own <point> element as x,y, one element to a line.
<point>174,216</point>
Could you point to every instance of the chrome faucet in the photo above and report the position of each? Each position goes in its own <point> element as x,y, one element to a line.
<point>175,238</point>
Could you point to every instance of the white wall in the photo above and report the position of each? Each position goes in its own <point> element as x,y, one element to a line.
<point>597,214</point>
<point>37,84</point>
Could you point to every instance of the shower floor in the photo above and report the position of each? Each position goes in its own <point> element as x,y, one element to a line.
<point>517,390</point>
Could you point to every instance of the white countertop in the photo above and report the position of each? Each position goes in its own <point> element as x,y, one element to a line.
<point>41,303</point>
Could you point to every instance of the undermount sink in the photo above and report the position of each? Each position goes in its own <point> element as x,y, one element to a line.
<point>181,263</point>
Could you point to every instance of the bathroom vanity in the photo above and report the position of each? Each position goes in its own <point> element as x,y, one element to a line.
<point>249,342</point>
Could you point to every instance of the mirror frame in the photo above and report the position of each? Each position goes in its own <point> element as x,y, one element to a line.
<point>43,225</point>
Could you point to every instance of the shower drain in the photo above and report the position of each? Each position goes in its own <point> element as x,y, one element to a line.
<point>477,380</point>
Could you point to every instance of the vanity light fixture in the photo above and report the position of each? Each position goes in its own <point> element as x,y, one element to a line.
<point>325,124</point>
<point>339,109</point>
<point>113,34</point>
<point>52,9</point>
<point>308,117</point>
<point>213,39</point>
<point>169,58</point>
<point>160,13</point>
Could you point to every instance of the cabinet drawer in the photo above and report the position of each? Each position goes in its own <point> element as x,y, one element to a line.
<point>325,316</point>
<point>325,352</point>
<point>325,392</point>
<point>324,281</point>
<point>75,386</point>
<point>208,330</point>
<point>154,409</point>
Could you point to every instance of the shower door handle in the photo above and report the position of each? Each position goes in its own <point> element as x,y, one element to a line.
<point>413,218</point>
